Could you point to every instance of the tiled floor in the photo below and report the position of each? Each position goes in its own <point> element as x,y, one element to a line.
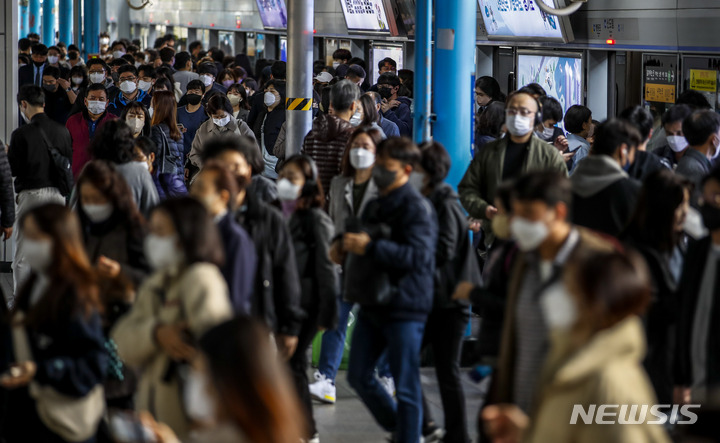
<point>348,421</point>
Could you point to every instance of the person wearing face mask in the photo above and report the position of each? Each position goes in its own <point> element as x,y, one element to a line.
<point>147,77</point>
<point>395,108</point>
<point>208,72</point>
<point>644,163</point>
<point>118,49</point>
<point>341,57</point>
<point>507,158</point>
<point>192,114</point>
<point>702,132</point>
<point>389,128</point>
<point>136,116</point>
<point>578,124</point>
<point>58,315</point>
<point>604,195</point>
<point>240,392</point>
<point>487,91</point>
<point>227,78</point>
<point>167,137</point>
<point>184,297</point>
<point>238,99</point>
<point>675,145</point>
<point>595,358</point>
<point>98,73</point>
<point>57,103</point>
<point>32,166</point>
<point>269,123</point>
<point>78,80</point>
<point>32,74</point>
<point>217,189</point>
<point>552,114</point>
<point>541,205</point>
<point>56,60</point>
<point>144,154</point>
<point>407,256</point>
<point>83,125</point>
<point>455,261</point>
<point>656,233</point>
<point>129,92</point>
<point>302,199</point>
<point>220,123</point>
<point>696,365</point>
<point>114,143</point>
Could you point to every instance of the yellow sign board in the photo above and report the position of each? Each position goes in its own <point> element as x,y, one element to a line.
<point>659,93</point>
<point>703,80</point>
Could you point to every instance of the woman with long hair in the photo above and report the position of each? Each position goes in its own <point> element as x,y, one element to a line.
<point>169,140</point>
<point>302,199</point>
<point>184,297</point>
<point>238,99</point>
<point>59,311</point>
<point>138,118</point>
<point>78,81</point>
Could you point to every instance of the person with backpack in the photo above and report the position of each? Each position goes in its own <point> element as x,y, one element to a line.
<point>38,150</point>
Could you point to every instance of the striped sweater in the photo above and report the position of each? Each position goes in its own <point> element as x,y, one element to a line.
<point>325,144</point>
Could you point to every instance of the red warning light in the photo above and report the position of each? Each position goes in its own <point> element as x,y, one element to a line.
<point>212,25</point>
<point>610,41</point>
<point>314,31</point>
<point>189,23</point>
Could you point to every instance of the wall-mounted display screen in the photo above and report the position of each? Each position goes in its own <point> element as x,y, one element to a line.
<point>405,16</point>
<point>365,15</point>
<point>381,52</point>
<point>283,49</point>
<point>518,19</point>
<point>273,13</point>
<point>561,76</point>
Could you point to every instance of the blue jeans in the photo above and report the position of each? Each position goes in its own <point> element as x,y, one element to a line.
<point>402,339</point>
<point>333,346</point>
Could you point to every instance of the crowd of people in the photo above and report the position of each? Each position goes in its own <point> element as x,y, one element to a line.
<point>174,260</point>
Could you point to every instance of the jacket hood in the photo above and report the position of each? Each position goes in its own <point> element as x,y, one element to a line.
<point>595,173</point>
<point>328,127</point>
<point>624,341</point>
<point>442,192</point>
<point>406,100</point>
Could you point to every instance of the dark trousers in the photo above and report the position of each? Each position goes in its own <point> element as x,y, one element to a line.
<point>444,331</point>
<point>402,339</point>
<point>299,367</point>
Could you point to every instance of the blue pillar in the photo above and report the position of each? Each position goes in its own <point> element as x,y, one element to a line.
<point>48,23</point>
<point>24,12</point>
<point>423,70</point>
<point>454,63</point>
<point>65,14</point>
<point>91,20</point>
<point>34,17</point>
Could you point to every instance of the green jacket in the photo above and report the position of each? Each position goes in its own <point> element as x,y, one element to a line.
<point>478,186</point>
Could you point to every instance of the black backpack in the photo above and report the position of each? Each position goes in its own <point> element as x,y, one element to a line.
<point>62,176</point>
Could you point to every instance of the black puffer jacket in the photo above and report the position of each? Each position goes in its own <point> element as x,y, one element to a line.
<point>277,285</point>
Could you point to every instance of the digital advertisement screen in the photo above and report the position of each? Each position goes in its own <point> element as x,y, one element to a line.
<point>406,16</point>
<point>273,13</point>
<point>519,18</point>
<point>381,52</point>
<point>562,77</point>
<point>283,49</point>
<point>365,15</point>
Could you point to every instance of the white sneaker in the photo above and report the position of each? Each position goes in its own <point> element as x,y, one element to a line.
<point>315,438</point>
<point>389,384</point>
<point>323,389</point>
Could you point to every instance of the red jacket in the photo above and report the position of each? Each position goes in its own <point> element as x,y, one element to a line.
<point>80,134</point>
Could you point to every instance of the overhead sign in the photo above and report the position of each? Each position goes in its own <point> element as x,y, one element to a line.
<point>365,15</point>
<point>660,84</point>
<point>703,80</point>
<point>519,18</point>
<point>659,93</point>
<point>273,13</point>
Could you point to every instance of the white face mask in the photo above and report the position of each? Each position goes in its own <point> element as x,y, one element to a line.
<point>118,54</point>
<point>128,87</point>
<point>361,158</point>
<point>77,80</point>
<point>356,119</point>
<point>98,213</point>
<point>206,79</point>
<point>716,154</point>
<point>198,404</point>
<point>135,124</point>
<point>96,107</point>
<point>144,86</point>
<point>97,77</point>
<point>335,65</point>
<point>694,225</point>
<point>234,99</point>
<point>287,191</point>
<point>547,133</point>
<point>104,41</point>
<point>38,254</point>
<point>518,125</point>
<point>269,99</point>
<point>24,116</point>
<point>161,252</point>
<point>677,143</point>
<point>138,64</point>
<point>529,235</point>
<point>52,59</point>
<point>150,111</point>
<point>221,122</point>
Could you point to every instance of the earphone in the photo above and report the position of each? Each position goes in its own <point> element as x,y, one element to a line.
<point>538,114</point>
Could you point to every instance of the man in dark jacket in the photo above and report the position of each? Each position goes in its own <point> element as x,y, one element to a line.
<point>394,108</point>
<point>36,176</point>
<point>644,162</point>
<point>129,91</point>
<point>697,365</point>
<point>32,74</point>
<point>702,132</point>
<point>57,103</point>
<point>674,145</point>
<point>604,195</point>
<point>276,299</point>
<point>407,254</point>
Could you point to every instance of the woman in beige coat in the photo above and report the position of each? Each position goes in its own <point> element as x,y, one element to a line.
<point>185,297</point>
<point>598,345</point>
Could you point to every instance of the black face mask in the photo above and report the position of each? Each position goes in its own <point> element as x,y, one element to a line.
<point>49,88</point>
<point>384,178</point>
<point>385,93</point>
<point>193,99</point>
<point>711,216</point>
<point>38,64</point>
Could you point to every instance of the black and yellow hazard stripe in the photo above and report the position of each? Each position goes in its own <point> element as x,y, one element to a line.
<point>298,104</point>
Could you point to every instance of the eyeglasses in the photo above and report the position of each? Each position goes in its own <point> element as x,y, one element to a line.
<point>525,112</point>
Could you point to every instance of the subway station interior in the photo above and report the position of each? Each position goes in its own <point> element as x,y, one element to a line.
<point>531,255</point>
